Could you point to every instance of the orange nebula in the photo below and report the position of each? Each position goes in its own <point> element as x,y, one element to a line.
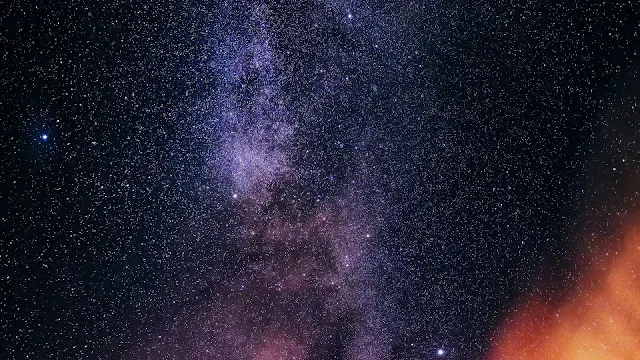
<point>599,320</point>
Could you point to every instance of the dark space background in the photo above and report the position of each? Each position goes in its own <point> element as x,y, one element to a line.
<point>489,129</point>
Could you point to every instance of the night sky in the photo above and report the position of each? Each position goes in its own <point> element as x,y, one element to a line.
<point>358,180</point>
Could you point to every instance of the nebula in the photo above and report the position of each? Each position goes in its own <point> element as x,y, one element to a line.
<point>300,288</point>
<point>600,319</point>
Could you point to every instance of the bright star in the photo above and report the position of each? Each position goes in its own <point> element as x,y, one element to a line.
<point>440,352</point>
<point>44,137</point>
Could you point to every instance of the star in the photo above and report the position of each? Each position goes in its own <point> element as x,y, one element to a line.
<point>44,137</point>
<point>440,352</point>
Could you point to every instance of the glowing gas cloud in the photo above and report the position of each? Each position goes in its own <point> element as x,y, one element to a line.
<point>599,320</point>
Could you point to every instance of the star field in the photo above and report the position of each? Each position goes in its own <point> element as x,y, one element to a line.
<point>325,179</point>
